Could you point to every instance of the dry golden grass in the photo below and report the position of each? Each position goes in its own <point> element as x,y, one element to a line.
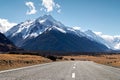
<point>9,61</point>
<point>112,60</point>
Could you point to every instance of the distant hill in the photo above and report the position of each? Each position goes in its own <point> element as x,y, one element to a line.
<point>6,44</point>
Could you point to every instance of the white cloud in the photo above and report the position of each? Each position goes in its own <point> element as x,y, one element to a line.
<point>32,9</point>
<point>5,25</point>
<point>41,9</point>
<point>58,6</point>
<point>117,46</point>
<point>50,5</point>
<point>59,10</point>
<point>106,37</point>
<point>112,40</point>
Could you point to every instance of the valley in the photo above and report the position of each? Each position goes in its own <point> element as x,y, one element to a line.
<point>60,40</point>
<point>53,41</point>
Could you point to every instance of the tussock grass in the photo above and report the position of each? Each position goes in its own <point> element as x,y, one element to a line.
<point>9,61</point>
<point>111,60</point>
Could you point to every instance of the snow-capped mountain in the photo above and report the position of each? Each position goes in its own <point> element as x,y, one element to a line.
<point>46,33</point>
<point>33,28</point>
<point>112,41</point>
<point>91,35</point>
<point>116,42</point>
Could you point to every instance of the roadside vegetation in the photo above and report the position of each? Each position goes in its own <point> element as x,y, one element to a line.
<point>111,60</point>
<point>20,59</point>
<point>9,61</point>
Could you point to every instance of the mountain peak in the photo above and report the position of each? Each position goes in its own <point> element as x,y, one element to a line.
<point>90,32</point>
<point>47,17</point>
<point>33,28</point>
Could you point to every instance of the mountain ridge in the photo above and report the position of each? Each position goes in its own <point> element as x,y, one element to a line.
<point>30,33</point>
<point>6,44</point>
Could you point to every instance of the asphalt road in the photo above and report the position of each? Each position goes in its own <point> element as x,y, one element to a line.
<point>68,70</point>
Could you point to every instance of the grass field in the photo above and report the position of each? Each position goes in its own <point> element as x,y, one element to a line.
<point>111,60</point>
<point>9,61</point>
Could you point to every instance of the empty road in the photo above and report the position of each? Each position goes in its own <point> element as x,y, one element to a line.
<point>68,70</point>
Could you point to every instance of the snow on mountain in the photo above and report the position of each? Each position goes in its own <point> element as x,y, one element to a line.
<point>91,35</point>
<point>76,28</point>
<point>33,28</point>
<point>42,21</point>
<point>59,29</point>
<point>5,25</point>
<point>45,29</point>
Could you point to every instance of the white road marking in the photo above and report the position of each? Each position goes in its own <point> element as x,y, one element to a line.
<point>73,75</point>
<point>74,67</point>
<point>75,64</point>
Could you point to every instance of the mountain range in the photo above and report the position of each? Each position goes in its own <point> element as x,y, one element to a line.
<point>47,34</point>
<point>112,42</point>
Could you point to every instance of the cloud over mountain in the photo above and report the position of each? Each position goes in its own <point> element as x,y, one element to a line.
<point>112,40</point>
<point>32,9</point>
<point>5,25</point>
<point>50,5</point>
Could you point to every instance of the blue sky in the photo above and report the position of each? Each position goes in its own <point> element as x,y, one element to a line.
<point>96,15</point>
